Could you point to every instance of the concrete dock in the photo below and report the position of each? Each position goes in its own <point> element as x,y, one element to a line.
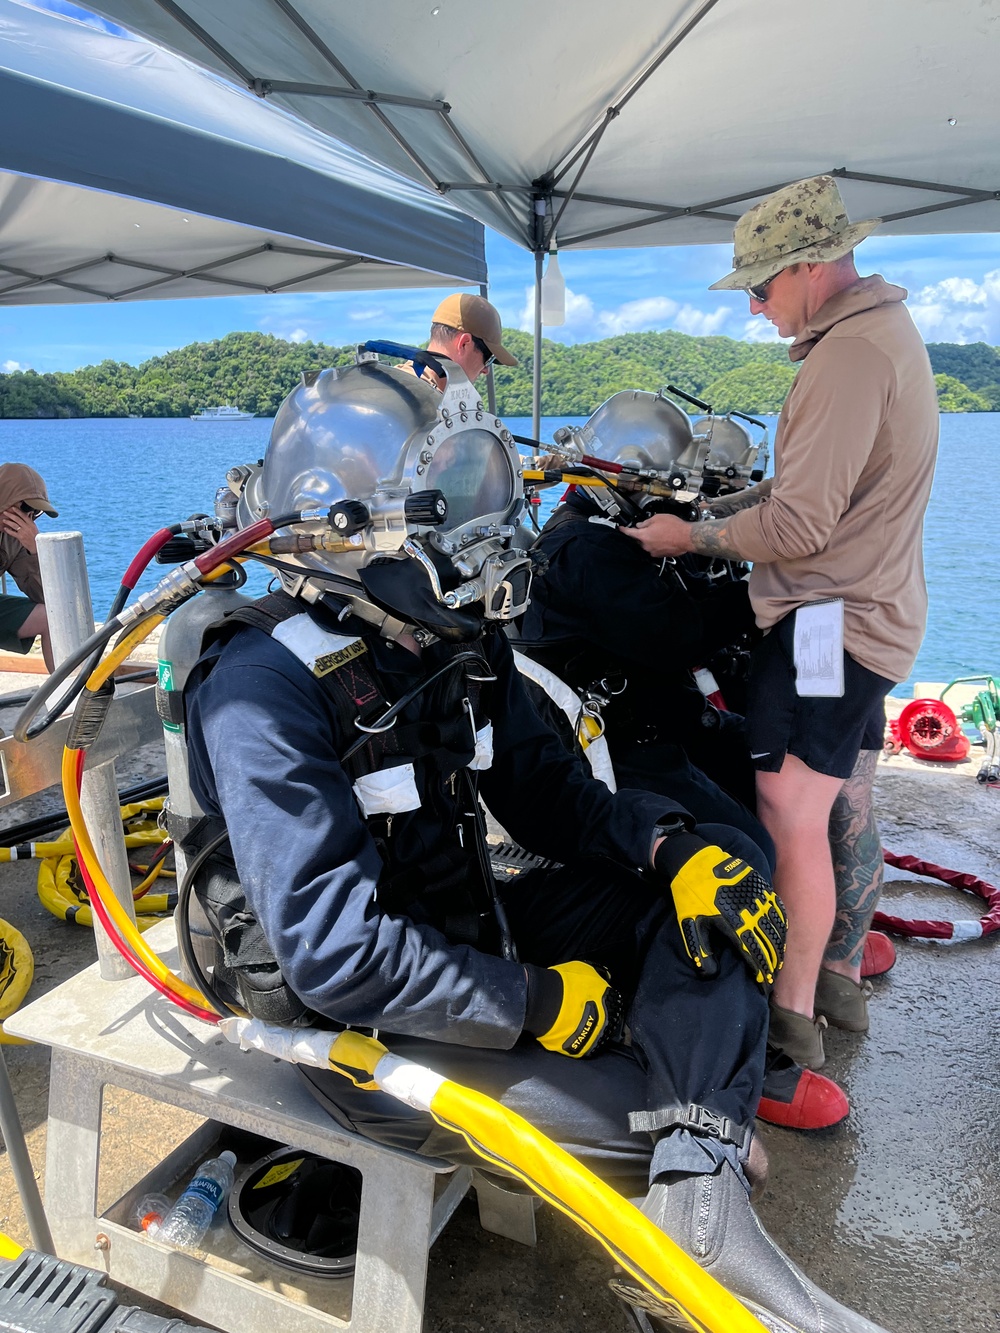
<point>896,1212</point>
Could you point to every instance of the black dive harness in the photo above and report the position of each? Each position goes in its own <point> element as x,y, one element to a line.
<point>449,886</point>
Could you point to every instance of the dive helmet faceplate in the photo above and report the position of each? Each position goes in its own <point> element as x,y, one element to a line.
<point>423,488</point>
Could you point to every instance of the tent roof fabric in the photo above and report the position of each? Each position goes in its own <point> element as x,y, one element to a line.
<point>681,113</point>
<point>133,173</point>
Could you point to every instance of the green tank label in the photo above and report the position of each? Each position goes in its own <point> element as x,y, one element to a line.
<point>165,682</point>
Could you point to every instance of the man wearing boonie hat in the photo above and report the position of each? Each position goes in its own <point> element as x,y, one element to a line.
<point>22,619</point>
<point>466,329</point>
<point>840,523</point>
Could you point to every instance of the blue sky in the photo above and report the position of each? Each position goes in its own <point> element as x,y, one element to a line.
<point>954,285</point>
<point>953,281</point>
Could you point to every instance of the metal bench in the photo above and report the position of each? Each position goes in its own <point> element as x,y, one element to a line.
<point>124,1035</point>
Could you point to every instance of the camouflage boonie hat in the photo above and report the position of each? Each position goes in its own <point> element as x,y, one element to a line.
<point>804,223</point>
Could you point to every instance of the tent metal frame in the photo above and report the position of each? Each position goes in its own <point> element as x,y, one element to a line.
<point>201,271</point>
<point>549,201</point>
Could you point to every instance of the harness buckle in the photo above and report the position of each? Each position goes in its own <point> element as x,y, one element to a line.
<point>698,1119</point>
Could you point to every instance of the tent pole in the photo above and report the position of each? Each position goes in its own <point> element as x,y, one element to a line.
<point>536,373</point>
<point>491,388</point>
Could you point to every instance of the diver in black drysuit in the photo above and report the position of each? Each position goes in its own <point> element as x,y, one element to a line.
<point>361,937</point>
<point>602,610</point>
<point>349,909</point>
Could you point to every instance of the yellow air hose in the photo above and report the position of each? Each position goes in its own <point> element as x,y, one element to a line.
<point>17,967</point>
<point>504,1139</point>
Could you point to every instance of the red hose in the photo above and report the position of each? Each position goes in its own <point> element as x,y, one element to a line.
<point>233,545</point>
<point>602,464</point>
<point>943,930</point>
<point>143,556</point>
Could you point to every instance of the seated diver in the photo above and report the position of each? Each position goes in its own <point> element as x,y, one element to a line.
<point>364,894</point>
<point>607,618</point>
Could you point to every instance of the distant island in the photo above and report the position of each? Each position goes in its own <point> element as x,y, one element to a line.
<point>257,370</point>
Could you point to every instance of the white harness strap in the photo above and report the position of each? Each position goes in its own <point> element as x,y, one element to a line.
<point>596,750</point>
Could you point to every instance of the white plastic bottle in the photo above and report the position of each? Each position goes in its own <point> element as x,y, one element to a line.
<point>191,1216</point>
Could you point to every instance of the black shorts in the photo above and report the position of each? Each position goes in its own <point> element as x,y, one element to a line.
<point>14,611</point>
<point>826,734</point>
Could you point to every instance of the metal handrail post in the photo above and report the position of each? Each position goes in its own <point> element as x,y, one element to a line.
<point>63,568</point>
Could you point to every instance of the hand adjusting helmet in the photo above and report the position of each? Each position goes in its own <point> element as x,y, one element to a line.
<point>417,495</point>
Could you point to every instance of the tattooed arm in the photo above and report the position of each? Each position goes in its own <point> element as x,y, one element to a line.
<point>724,505</point>
<point>665,534</point>
<point>857,863</point>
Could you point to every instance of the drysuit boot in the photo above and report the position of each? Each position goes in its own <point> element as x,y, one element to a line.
<point>710,1218</point>
<point>842,1001</point>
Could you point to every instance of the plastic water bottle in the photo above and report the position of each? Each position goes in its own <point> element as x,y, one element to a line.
<point>186,1223</point>
<point>150,1212</point>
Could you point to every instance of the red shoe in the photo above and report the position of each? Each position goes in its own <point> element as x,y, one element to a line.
<point>879,955</point>
<point>798,1098</point>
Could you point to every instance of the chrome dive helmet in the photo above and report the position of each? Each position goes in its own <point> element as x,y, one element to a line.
<point>645,432</point>
<point>417,495</point>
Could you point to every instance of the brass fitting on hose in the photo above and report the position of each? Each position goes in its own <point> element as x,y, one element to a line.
<point>318,541</point>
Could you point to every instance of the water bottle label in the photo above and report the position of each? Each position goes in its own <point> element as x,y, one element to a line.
<point>203,1187</point>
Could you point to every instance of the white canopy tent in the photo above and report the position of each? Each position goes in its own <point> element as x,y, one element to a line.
<point>128,173</point>
<point>649,122</point>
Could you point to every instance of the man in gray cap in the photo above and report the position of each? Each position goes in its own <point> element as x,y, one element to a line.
<point>837,582</point>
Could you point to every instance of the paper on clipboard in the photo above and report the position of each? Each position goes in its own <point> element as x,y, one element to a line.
<point>819,649</point>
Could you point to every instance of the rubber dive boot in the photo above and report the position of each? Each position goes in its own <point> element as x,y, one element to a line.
<point>879,955</point>
<point>710,1218</point>
<point>841,1001</point>
<point>797,1098</point>
<point>801,1038</point>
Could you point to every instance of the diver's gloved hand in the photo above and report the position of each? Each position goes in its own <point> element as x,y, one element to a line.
<point>572,1009</point>
<point>714,890</point>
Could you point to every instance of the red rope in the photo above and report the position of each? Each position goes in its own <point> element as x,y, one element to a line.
<point>943,930</point>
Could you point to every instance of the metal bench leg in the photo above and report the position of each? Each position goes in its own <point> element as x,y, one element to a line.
<point>72,1156</point>
<point>394,1237</point>
<point>506,1210</point>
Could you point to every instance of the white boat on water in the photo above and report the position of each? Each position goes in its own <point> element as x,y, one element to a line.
<point>224,413</point>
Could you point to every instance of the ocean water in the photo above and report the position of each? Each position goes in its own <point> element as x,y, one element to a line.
<point>118,481</point>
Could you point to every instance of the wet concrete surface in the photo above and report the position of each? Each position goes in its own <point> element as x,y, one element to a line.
<point>896,1212</point>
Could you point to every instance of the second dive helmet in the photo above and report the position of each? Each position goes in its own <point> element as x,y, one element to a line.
<point>416,496</point>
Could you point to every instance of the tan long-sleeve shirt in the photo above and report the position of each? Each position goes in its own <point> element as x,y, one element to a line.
<point>853,464</point>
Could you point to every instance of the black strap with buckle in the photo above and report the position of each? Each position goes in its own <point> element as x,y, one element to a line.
<point>698,1119</point>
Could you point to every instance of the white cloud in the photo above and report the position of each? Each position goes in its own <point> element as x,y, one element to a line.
<point>585,322</point>
<point>298,336</point>
<point>9,367</point>
<point>367,315</point>
<point>649,312</point>
<point>758,330</point>
<point>701,323</point>
<point>959,310</point>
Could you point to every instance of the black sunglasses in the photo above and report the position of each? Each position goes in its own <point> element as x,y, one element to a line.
<point>488,356</point>
<point>759,291</point>
<point>26,509</point>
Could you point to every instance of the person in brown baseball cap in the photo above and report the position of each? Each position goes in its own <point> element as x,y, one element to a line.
<point>23,497</point>
<point>466,328</point>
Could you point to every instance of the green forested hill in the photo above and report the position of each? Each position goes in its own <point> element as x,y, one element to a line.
<point>256,370</point>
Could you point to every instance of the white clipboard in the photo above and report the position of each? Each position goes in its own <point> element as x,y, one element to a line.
<point>818,649</point>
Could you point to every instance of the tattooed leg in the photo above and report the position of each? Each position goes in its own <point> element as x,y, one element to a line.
<point>858,867</point>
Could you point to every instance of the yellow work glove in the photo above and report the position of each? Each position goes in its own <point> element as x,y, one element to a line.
<point>713,890</point>
<point>572,1009</point>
